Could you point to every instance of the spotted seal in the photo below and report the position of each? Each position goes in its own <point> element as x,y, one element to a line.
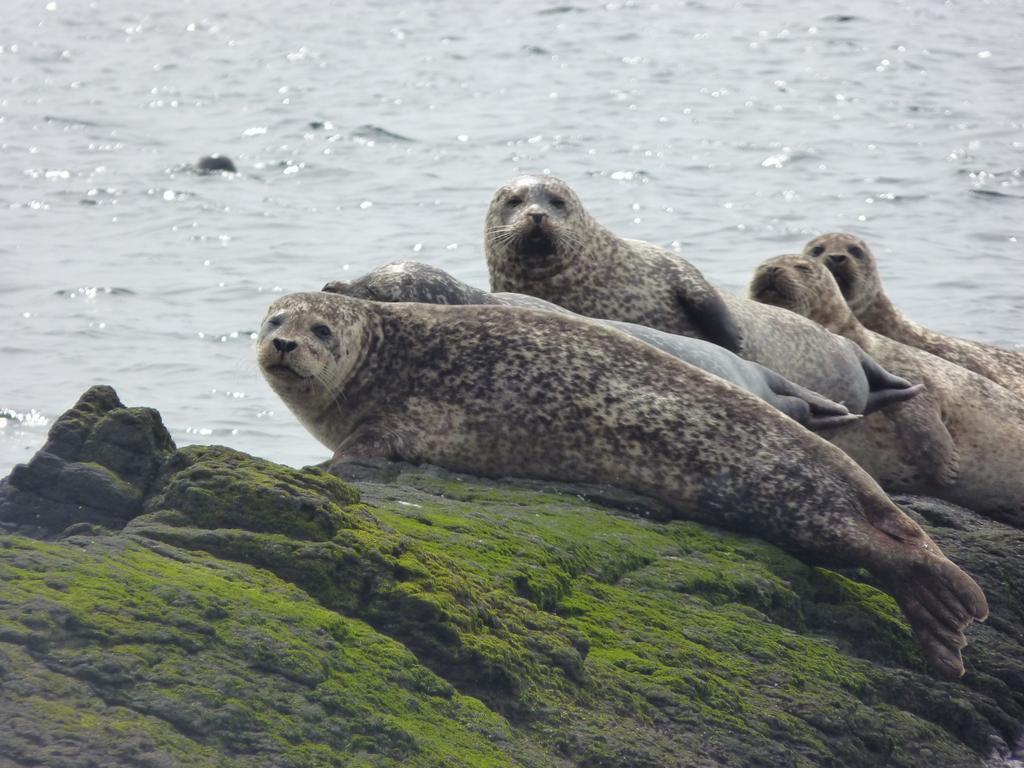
<point>539,238</point>
<point>414,281</point>
<point>509,391</point>
<point>541,241</point>
<point>855,269</point>
<point>962,439</point>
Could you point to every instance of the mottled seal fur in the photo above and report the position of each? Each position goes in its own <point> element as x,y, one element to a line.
<point>414,281</point>
<point>540,239</point>
<point>853,265</point>
<point>961,440</point>
<point>509,391</point>
<point>587,269</point>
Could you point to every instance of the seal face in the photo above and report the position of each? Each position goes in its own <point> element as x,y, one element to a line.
<point>413,281</point>
<point>962,439</point>
<point>505,391</point>
<point>541,241</point>
<point>855,269</point>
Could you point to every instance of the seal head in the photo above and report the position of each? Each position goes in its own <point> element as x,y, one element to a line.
<point>309,349</point>
<point>851,263</point>
<point>533,218</point>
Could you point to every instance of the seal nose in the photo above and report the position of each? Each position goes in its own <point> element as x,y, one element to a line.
<point>773,270</point>
<point>284,346</point>
<point>837,258</point>
<point>538,217</point>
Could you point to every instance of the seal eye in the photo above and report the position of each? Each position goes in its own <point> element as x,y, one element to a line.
<point>557,202</point>
<point>856,251</point>
<point>514,201</point>
<point>817,250</point>
<point>322,331</point>
<point>803,267</point>
<point>275,321</point>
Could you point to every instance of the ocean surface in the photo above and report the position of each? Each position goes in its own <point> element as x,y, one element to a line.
<point>370,132</point>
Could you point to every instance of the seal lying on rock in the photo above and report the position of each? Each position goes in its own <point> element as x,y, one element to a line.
<point>961,440</point>
<point>507,391</point>
<point>413,281</point>
<point>540,240</point>
<point>853,265</point>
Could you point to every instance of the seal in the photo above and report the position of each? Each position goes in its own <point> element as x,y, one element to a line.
<point>540,237</point>
<point>414,281</point>
<point>961,440</point>
<point>215,164</point>
<point>541,241</point>
<point>855,269</point>
<point>508,391</point>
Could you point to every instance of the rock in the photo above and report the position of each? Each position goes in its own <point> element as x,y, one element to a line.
<point>98,462</point>
<point>245,613</point>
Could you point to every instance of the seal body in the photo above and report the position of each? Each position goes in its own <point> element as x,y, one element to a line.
<point>855,269</point>
<point>506,391</point>
<point>413,281</point>
<point>962,439</point>
<point>576,263</point>
<point>540,240</point>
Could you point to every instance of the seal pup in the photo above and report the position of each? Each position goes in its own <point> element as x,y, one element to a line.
<point>509,391</point>
<point>538,235</point>
<point>855,269</point>
<point>414,281</point>
<point>962,439</point>
<point>541,241</point>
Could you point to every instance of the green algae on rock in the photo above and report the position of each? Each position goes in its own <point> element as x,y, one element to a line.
<point>253,614</point>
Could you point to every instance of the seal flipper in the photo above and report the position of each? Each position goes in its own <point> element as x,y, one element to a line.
<point>706,310</point>
<point>924,436</point>
<point>884,388</point>
<point>802,412</point>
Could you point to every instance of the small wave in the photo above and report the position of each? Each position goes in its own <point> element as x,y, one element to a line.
<point>91,292</point>
<point>558,9</point>
<point>70,121</point>
<point>376,133</point>
<point>995,193</point>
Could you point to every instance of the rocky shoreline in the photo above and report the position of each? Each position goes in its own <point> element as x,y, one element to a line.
<point>165,607</point>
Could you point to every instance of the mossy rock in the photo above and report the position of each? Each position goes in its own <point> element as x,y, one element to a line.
<point>250,614</point>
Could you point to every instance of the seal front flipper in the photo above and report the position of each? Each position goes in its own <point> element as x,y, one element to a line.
<point>706,310</point>
<point>362,446</point>
<point>885,388</point>
<point>924,437</point>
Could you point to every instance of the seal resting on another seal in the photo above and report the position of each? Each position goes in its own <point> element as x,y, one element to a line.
<point>538,234</point>
<point>508,391</point>
<point>853,265</point>
<point>413,281</point>
<point>540,240</point>
<point>962,439</point>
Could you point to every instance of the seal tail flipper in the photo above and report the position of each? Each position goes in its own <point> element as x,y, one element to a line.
<point>707,311</point>
<point>936,596</point>
<point>940,601</point>
<point>819,404</point>
<point>884,388</point>
<point>819,423</point>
